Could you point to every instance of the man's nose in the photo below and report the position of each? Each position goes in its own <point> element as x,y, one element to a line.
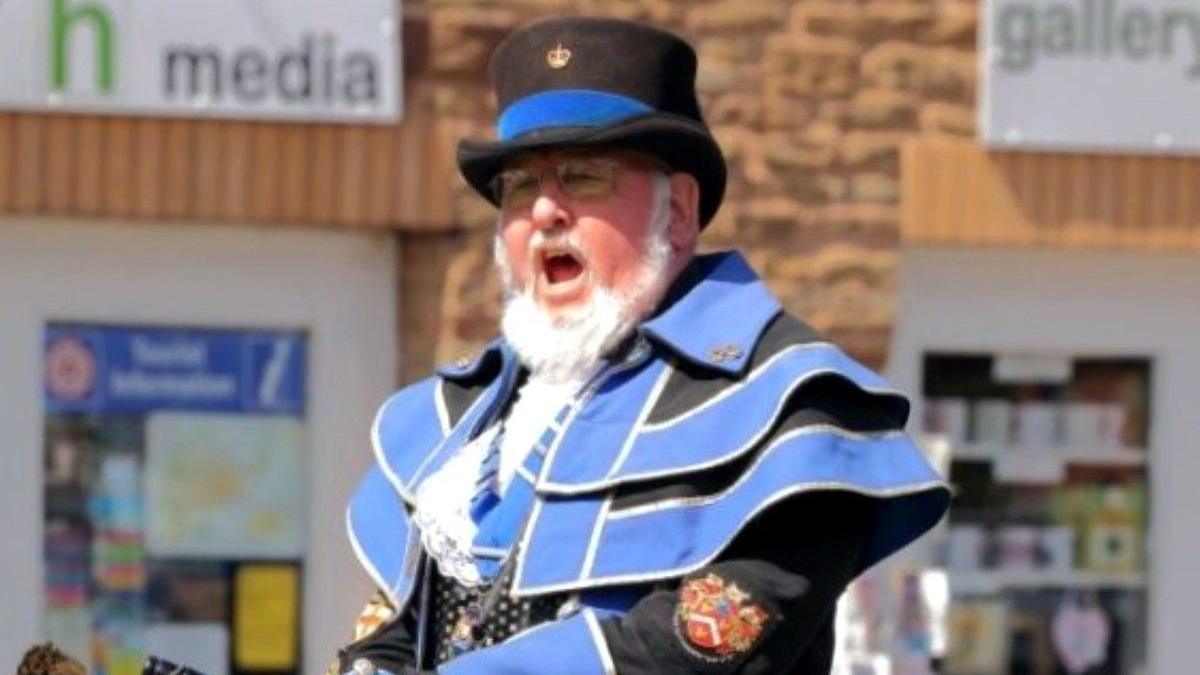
<point>548,211</point>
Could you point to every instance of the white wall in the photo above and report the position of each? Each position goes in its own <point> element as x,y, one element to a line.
<point>1092,303</point>
<point>340,287</point>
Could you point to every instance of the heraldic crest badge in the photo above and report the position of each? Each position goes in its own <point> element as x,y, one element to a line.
<point>718,620</point>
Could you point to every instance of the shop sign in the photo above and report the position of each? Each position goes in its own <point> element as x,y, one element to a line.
<point>280,59</point>
<point>1102,75</point>
<point>113,369</point>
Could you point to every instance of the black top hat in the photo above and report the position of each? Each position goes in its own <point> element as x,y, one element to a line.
<point>587,82</point>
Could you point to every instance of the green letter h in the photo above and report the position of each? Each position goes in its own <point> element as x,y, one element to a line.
<point>63,20</point>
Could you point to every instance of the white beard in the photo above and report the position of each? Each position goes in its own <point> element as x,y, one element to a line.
<point>568,347</point>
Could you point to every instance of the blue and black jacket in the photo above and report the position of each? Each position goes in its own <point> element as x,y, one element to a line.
<point>704,508</point>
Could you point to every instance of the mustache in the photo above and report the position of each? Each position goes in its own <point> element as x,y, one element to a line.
<point>557,241</point>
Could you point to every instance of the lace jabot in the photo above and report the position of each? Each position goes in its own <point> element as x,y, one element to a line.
<point>444,499</point>
<point>443,511</point>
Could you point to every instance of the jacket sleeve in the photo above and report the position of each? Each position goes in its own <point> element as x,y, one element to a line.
<point>755,610</point>
<point>765,605</point>
<point>759,608</point>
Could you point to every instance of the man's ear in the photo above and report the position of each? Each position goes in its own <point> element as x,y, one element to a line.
<point>685,212</point>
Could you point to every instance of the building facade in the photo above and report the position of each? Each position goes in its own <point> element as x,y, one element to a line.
<point>856,168</point>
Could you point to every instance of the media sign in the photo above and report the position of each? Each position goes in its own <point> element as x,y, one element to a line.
<point>1103,75</point>
<point>282,59</point>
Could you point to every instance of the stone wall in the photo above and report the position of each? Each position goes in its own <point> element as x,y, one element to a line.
<point>810,100</point>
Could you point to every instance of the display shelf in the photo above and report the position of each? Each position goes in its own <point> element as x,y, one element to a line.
<point>987,452</point>
<point>995,581</point>
<point>1050,465</point>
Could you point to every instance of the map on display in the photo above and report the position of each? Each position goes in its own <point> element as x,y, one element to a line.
<point>223,485</point>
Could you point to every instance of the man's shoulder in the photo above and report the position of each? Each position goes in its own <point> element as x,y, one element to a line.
<point>412,395</point>
<point>785,332</point>
<point>793,377</point>
<point>413,410</point>
<point>720,316</point>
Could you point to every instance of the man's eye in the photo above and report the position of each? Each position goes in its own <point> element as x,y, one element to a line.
<point>586,179</point>
<point>518,179</point>
<point>519,184</point>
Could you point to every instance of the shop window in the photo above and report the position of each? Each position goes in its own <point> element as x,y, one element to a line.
<point>1046,542</point>
<point>174,477</point>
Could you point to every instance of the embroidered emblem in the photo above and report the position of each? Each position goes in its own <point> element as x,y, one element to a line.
<point>717,619</point>
<point>724,353</point>
<point>462,362</point>
<point>558,57</point>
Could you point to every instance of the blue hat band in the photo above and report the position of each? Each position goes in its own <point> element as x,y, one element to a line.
<point>566,108</point>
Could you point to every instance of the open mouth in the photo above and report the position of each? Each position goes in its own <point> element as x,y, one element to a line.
<point>560,266</point>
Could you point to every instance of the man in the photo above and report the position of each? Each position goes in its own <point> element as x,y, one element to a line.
<point>655,469</point>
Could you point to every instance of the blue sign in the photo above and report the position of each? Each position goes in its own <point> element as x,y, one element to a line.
<point>92,368</point>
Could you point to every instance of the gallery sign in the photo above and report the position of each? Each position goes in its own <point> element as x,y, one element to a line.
<point>1103,75</point>
<point>281,59</point>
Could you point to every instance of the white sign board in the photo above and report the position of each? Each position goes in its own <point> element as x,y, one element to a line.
<point>282,59</point>
<point>1103,75</point>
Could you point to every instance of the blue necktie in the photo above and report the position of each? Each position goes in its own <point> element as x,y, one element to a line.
<point>499,519</point>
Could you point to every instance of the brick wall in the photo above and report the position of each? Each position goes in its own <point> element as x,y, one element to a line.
<point>811,100</point>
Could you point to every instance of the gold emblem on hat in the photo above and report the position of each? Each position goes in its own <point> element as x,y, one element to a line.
<point>558,57</point>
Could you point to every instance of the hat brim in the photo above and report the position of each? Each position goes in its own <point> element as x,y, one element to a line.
<point>679,142</point>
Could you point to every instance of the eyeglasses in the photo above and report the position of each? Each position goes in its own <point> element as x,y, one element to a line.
<point>580,178</point>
